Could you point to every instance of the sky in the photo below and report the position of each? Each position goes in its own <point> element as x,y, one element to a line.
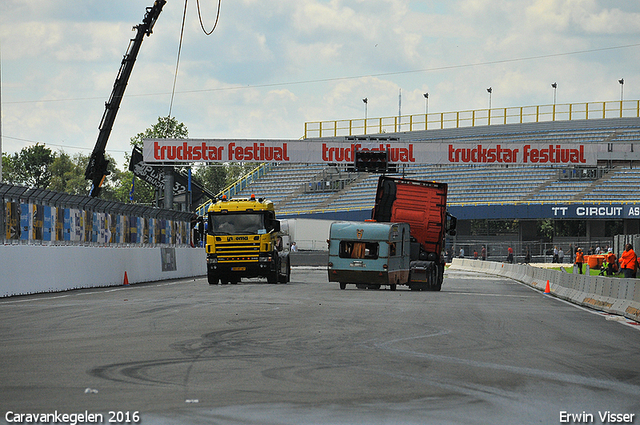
<point>271,66</point>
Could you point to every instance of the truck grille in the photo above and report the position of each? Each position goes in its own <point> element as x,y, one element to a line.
<point>237,251</point>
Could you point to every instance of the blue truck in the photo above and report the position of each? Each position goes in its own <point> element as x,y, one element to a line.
<point>369,254</point>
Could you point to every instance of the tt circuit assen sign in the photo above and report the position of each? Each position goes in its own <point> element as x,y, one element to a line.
<point>342,151</point>
<point>608,211</point>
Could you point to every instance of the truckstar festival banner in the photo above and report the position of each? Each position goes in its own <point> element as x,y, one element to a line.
<point>342,152</point>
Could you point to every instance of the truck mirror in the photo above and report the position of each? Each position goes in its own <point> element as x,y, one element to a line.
<point>452,222</point>
<point>276,225</point>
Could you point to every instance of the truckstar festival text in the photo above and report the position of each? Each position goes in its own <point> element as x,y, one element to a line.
<point>342,152</point>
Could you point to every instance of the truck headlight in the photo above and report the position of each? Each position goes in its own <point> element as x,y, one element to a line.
<point>264,259</point>
<point>212,260</point>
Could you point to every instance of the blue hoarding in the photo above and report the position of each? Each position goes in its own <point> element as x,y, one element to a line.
<point>545,211</point>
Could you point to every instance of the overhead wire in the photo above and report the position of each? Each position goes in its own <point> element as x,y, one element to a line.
<point>175,76</point>
<point>353,77</point>
<point>184,17</point>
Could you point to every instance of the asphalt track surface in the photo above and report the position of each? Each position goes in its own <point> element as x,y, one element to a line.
<point>484,350</point>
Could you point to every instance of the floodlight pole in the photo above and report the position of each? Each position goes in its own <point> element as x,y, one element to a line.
<point>426,103</point>
<point>621,81</point>
<point>0,114</point>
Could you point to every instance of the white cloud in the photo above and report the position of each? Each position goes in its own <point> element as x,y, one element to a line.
<point>248,78</point>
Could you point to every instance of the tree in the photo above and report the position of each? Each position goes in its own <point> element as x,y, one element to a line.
<point>67,173</point>
<point>9,174</point>
<point>29,167</point>
<point>166,127</point>
<point>545,230</point>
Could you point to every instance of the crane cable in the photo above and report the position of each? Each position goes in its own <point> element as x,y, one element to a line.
<point>184,17</point>
<point>215,23</point>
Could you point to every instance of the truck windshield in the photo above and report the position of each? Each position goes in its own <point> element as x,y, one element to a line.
<point>236,224</point>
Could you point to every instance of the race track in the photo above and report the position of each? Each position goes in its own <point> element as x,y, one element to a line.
<point>483,350</point>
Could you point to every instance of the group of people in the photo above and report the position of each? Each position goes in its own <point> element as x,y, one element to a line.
<point>558,255</point>
<point>448,254</point>
<point>627,263</point>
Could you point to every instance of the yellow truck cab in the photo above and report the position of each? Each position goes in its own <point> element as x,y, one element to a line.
<point>242,241</point>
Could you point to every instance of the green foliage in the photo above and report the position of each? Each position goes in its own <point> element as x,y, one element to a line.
<point>29,167</point>
<point>67,174</point>
<point>216,177</point>
<point>212,177</point>
<point>144,193</point>
<point>9,168</point>
<point>165,128</point>
<point>545,230</point>
<point>37,166</point>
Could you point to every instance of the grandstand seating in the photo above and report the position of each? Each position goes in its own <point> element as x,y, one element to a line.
<point>286,184</point>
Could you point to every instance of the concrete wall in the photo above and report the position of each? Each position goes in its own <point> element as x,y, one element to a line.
<point>29,269</point>
<point>613,295</point>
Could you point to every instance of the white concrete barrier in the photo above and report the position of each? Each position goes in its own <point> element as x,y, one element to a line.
<point>30,269</point>
<point>613,295</point>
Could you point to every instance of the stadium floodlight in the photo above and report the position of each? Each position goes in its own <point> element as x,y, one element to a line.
<point>621,81</point>
<point>366,101</point>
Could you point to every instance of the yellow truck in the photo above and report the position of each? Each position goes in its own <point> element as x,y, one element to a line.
<point>243,241</point>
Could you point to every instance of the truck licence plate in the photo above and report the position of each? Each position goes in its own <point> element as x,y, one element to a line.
<point>238,269</point>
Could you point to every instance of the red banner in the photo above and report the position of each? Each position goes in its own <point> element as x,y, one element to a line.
<point>342,152</point>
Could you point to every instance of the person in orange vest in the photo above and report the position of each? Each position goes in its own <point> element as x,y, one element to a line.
<point>579,259</point>
<point>610,257</point>
<point>628,262</point>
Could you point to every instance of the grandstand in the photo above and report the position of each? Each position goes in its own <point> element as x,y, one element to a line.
<point>308,189</point>
<point>286,185</point>
<point>584,195</point>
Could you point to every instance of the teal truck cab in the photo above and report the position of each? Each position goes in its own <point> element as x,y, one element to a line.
<point>369,254</point>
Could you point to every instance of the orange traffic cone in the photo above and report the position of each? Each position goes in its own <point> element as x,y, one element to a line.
<point>126,279</point>
<point>547,289</point>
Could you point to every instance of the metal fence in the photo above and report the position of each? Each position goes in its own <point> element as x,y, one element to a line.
<point>40,216</point>
<point>472,118</point>
<point>538,251</point>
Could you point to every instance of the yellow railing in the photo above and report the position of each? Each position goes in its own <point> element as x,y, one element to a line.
<point>477,117</point>
<point>237,186</point>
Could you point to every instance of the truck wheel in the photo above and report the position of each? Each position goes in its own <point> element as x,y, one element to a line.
<point>286,277</point>
<point>212,278</point>
<point>435,284</point>
<point>392,286</point>
<point>343,285</point>
<point>272,277</point>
